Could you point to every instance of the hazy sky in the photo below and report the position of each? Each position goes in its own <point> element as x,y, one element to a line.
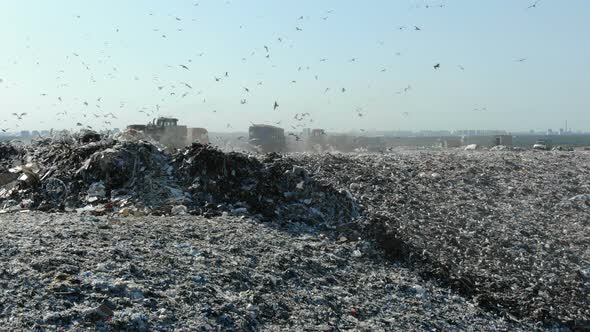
<point>80,51</point>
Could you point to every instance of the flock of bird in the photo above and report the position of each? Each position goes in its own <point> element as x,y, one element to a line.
<point>172,89</point>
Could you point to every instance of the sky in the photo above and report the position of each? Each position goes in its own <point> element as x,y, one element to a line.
<point>348,65</point>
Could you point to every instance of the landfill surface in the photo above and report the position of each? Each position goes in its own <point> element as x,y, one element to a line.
<point>61,272</point>
<point>116,233</point>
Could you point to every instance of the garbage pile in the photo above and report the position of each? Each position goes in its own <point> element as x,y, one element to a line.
<point>274,187</point>
<point>189,273</point>
<point>510,230</point>
<point>127,175</point>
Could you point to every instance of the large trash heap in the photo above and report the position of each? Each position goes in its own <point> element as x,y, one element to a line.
<point>508,230</point>
<point>131,175</point>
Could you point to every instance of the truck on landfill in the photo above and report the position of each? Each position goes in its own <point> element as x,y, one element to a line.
<point>544,145</point>
<point>370,144</point>
<point>167,132</point>
<point>267,138</point>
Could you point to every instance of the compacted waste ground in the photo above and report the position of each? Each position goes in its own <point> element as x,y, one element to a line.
<point>63,272</point>
<point>439,240</point>
<point>509,229</point>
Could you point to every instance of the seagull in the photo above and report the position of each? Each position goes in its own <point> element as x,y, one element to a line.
<point>246,89</point>
<point>521,60</point>
<point>534,5</point>
<point>187,85</point>
<point>461,67</point>
<point>437,66</point>
<point>417,28</point>
<point>276,106</point>
<point>298,29</point>
<point>243,101</point>
<point>266,48</point>
<point>185,67</point>
<point>343,90</point>
<point>217,79</point>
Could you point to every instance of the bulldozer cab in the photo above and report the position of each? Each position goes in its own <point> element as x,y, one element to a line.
<point>166,122</point>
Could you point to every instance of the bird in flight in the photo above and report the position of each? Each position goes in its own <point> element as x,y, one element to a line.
<point>185,67</point>
<point>521,60</point>
<point>276,106</point>
<point>298,29</point>
<point>416,28</point>
<point>461,67</point>
<point>243,101</point>
<point>246,89</point>
<point>437,66</point>
<point>534,5</point>
<point>19,116</point>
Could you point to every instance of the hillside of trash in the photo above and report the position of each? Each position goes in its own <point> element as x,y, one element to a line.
<point>506,230</point>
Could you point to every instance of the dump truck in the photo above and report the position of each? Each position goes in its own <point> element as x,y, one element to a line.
<point>169,133</point>
<point>542,145</point>
<point>267,138</point>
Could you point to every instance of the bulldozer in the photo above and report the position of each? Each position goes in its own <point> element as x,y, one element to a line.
<point>169,133</point>
<point>317,140</point>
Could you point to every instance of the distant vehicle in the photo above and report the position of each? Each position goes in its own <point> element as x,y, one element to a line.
<point>169,133</point>
<point>267,138</point>
<point>371,144</point>
<point>544,145</point>
<point>317,140</point>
